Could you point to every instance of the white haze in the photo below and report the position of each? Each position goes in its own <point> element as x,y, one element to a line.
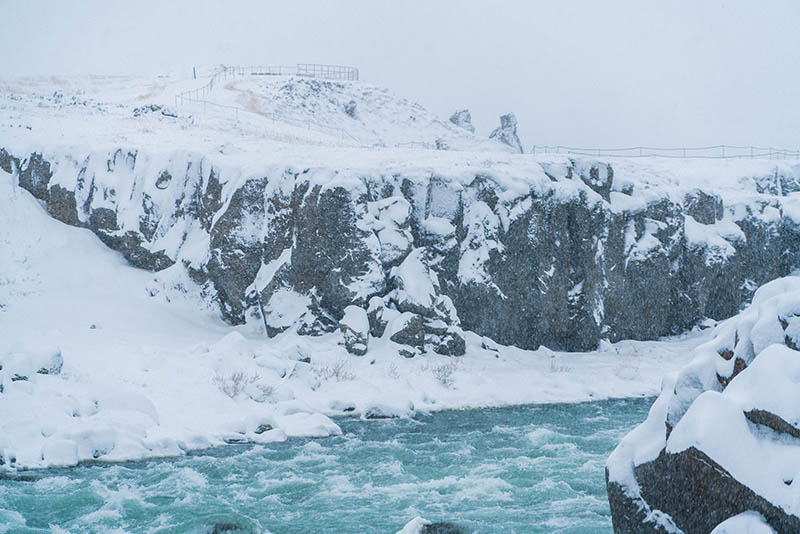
<point>581,73</point>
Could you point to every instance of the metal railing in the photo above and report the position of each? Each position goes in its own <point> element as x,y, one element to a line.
<point>328,72</point>
<point>197,96</point>
<point>705,152</point>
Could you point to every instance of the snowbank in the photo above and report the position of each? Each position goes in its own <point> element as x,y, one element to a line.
<point>727,424</point>
<point>146,374</point>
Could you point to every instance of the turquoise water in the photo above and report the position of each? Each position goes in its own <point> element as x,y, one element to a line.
<point>530,469</point>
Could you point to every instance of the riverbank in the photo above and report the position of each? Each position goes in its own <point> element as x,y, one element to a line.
<point>146,370</point>
<point>526,469</point>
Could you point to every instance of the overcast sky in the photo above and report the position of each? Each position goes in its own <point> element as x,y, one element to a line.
<point>580,73</point>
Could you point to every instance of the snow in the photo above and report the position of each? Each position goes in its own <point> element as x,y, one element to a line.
<point>710,237</point>
<point>748,427</point>
<point>149,369</point>
<point>414,526</point>
<point>267,271</point>
<point>415,282</point>
<point>744,523</point>
<point>716,425</point>
<point>438,226</point>
<point>765,385</point>
<point>286,307</point>
<point>143,377</point>
<point>356,319</point>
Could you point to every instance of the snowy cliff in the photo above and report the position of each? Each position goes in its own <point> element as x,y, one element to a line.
<point>561,252</point>
<point>723,438</point>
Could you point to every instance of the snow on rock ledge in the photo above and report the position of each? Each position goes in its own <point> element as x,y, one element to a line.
<point>560,252</point>
<point>744,523</point>
<point>723,438</point>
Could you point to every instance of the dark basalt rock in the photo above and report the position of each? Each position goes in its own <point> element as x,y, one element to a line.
<point>451,344</point>
<point>34,175</point>
<point>8,162</point>
<point>705,208</point>
<point>412,332</point>
<point>564,271</point>
<point>103,219</point>
<point>444,527</point>
<point>130,246</point>
<point>770,420</point>
<point>695,492</point>
<point>329,251</point>
<point>236,258</point>
<point>61,205</point>
<point>228,528</point>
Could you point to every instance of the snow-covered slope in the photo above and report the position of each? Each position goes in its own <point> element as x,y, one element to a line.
<point>99,361</point>
<point>565,250</point>
<point>369,114</point>
<point>723,438</point>
<point>285,109</point>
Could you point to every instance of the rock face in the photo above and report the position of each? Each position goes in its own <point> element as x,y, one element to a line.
<point>723,438</point>
<point>463,119</point>
<point>563,253</point>
<point>507,132</point>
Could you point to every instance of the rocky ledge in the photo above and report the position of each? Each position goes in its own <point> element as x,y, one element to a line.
<point>561,252</point>
<point>720,449</point>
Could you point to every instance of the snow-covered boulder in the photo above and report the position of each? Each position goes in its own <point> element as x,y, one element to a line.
<point>417,285</point>
<point>744,523</point>
<point>407,329</point>
<point>463,119</point>
<point>393,228</point>
<point>355,329</point>
<point>378,316</point>
<point>704,207</point>
<point>506,133</point>
<point>418,525</point>
<point>723,438</point>
<point>23,366</point>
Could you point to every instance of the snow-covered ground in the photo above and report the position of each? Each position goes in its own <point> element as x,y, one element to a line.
<point>283,110</point>
<point>143,377</point>
<point>148,371</point>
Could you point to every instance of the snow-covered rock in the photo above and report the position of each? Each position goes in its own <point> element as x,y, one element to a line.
<point>284,231</point>
<point>355,330</point>
<point>418,525</point>
<point>407,329</point>
<point>463,119</point>
<point>417,285</point>
<point>562,250</point>
<point>744,523</point>
<point>723,438</point>
<point>506,133</point>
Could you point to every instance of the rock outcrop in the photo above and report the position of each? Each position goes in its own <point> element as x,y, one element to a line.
<point>563,253</point>
<point>463,119</point>
<point>506,133</point>
<point>723,438</point>
<point>355,330</point>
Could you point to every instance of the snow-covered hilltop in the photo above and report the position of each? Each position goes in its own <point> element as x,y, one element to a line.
<point>300,247</point>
